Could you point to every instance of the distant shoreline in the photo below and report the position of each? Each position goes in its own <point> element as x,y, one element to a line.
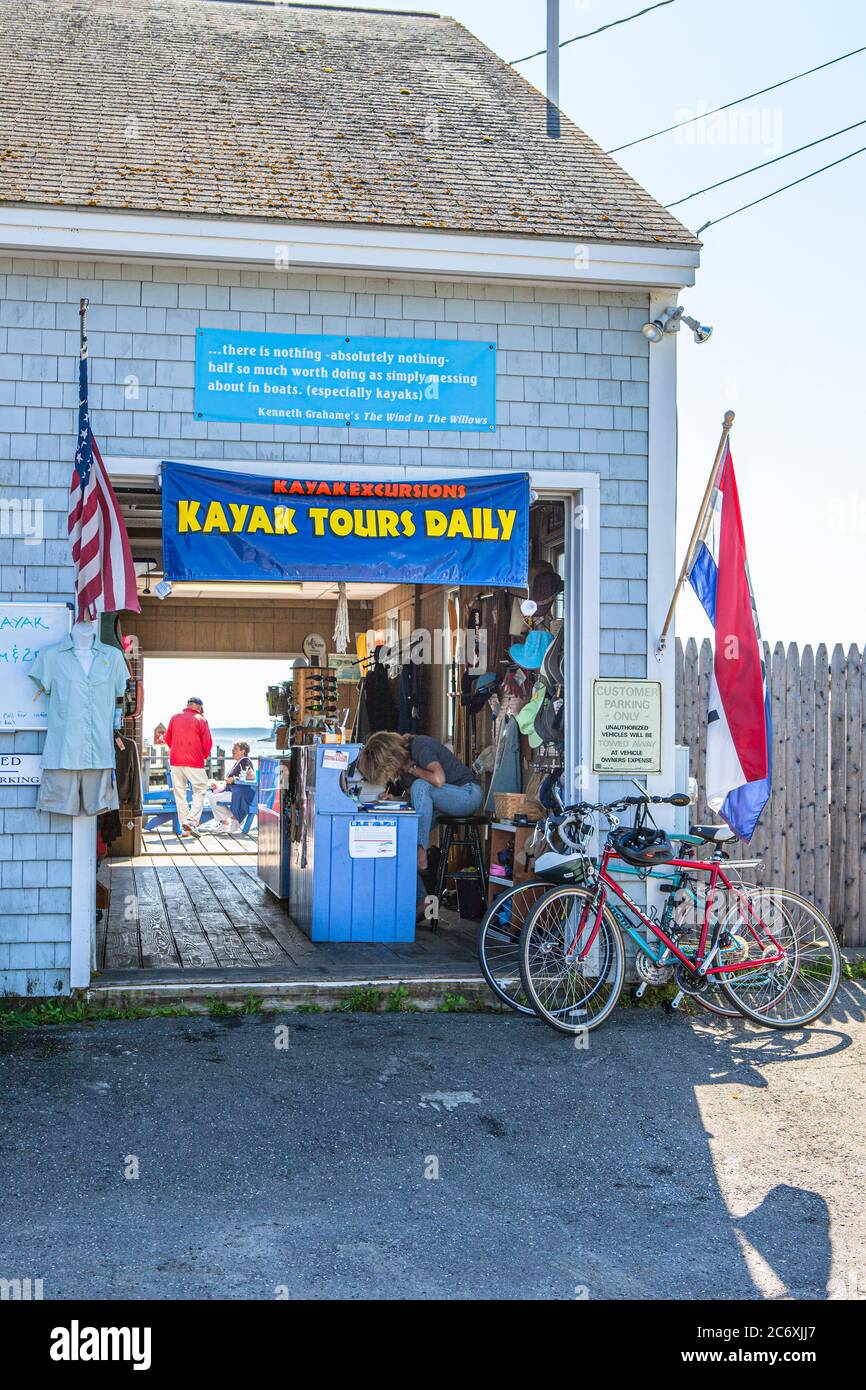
<point>257,732</point>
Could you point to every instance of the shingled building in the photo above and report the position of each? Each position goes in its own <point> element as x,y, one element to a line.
<point>189,165</point>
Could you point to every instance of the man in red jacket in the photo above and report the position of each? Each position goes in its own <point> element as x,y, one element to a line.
<point>189,744</point>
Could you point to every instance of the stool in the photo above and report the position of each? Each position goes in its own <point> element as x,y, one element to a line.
<point>458,830</point>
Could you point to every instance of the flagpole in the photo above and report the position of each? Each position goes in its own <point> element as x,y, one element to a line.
<point>699,532</point>
<point>82,312</point>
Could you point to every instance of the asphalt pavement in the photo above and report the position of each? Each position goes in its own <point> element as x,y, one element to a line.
<point>435,1156</point>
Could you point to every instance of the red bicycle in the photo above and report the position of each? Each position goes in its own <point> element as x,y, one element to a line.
<point>772,955</point>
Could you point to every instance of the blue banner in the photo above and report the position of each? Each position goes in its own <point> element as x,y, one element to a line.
<point>218,525</point>
<point>368,383</point>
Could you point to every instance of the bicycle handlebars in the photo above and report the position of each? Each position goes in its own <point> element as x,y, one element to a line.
<point>583,808</point>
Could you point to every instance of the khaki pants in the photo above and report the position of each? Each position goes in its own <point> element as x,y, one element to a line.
<point>220,802</point>
<point>181,778</point>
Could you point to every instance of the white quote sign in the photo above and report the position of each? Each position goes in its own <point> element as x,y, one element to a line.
<point>20,770</point>
<point>626,726</point>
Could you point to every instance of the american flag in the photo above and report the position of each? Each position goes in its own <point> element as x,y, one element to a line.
<point>104,572</point>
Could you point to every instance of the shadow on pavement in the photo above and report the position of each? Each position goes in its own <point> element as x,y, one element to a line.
<point>396,1156</point>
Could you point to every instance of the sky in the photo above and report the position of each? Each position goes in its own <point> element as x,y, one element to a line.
<point>782,284</point>
<point>234,692</point>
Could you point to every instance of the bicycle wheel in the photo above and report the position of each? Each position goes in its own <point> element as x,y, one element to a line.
<point>571,994</point>
<point>792,992</point>
<point>499,941</point>
<point>688,917</point>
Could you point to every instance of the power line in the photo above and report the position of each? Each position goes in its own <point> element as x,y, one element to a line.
<point>736,102</point>
<point>716,220</point>
<point>592,32</point>
<point>767,162</point>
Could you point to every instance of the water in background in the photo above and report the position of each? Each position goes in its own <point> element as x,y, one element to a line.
<point>259,739</point>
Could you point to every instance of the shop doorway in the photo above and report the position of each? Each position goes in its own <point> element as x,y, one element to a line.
<point>201,909</point>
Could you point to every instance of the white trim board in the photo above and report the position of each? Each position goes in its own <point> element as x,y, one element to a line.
<point>661,556</point>
<point>71,233</point>
<point>124,470</point>
<point>661,532</point>
<point>82,905</point>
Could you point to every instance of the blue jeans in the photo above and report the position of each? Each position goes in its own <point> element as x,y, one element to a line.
<point>450,800</point>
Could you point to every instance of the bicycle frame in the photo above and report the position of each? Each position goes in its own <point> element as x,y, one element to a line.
<point>702,964</point>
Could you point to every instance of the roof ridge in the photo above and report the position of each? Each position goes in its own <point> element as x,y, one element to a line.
<point>345,9</point>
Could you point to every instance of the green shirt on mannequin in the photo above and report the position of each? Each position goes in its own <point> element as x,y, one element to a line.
<point>80,706</point>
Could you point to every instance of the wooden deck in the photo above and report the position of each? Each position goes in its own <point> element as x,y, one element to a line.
<point>197,909</point>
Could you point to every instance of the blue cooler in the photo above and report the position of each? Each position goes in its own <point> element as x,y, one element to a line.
<point>353,874</point>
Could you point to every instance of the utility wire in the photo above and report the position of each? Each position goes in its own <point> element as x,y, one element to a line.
<point>736,102</point>
<point>766,164</point>
<point>592,32</point>
<point>716,220</point>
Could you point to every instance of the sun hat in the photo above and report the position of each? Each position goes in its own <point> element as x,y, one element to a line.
<point>544,585</point>
<point>530,652</point>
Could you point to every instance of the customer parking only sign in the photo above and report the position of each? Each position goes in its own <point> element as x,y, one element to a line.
<point>626,726</point>
<point>368,383</point>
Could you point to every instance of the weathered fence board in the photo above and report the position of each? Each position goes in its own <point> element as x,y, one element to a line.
<point>806,762</point>
<point>837,785</point>
<point>822,779</point>
<point>812,835</point>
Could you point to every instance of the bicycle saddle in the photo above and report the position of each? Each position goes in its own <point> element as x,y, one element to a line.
<point>717,834</point>
<point>560,868</point>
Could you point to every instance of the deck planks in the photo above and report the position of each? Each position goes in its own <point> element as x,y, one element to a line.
<point>199,908</point>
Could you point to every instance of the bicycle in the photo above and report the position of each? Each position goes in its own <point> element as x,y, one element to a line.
<point>503,922</point>
<point>781,974</point>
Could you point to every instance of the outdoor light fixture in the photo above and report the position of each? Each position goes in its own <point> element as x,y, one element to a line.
<point>700,331</point>
<point>669,321</point>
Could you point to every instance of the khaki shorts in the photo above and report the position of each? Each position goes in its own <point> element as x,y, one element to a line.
<point>78,793</point>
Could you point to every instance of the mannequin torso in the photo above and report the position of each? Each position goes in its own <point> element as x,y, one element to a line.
<point>83,638</point>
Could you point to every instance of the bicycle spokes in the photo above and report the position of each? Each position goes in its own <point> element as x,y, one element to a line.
<point>794,990</point>
<point>571,960</point>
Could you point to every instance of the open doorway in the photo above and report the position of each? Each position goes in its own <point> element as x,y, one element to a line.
<point>480,670</point>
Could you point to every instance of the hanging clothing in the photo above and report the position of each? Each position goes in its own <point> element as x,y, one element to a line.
<point>407,703</point>
<point>109,829</point>
<point>128,767</point>
<point>381,714</point>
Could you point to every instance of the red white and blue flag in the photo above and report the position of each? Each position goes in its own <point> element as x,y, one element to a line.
<point>739,734</point>
<point>104,572</point>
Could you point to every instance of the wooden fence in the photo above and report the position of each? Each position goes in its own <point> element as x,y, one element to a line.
<point>812,834</point>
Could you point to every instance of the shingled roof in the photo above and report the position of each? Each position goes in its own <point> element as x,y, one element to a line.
<point>303,113</point>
